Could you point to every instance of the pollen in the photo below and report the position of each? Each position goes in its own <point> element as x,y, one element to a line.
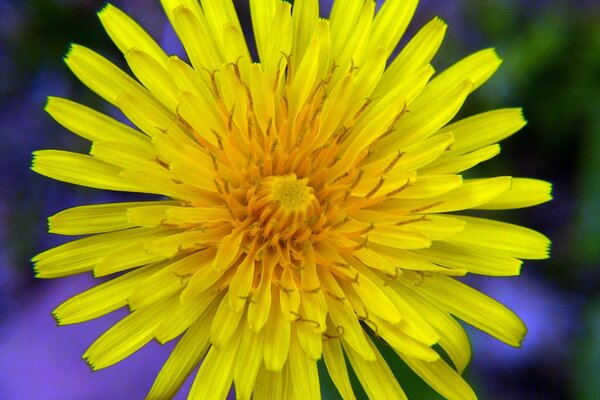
<point>291,193</point>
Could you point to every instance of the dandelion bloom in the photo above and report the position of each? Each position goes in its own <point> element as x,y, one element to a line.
<point>309,201</point>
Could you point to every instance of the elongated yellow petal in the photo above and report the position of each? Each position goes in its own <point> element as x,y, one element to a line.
<point>263,13</point>
<point>336,366</point>
<point>489,315</point>
<point>92,125</point>
<point>184,315</point>
<point>524,192</point>
<point>194,35</point>
<point>277,337</point>
<point>473,193</point>
<point>477,68</point>
<point>225,323</point>
<point>81,170</point>
<point>402,342</point>
<point>418,52</point>
<point>442,378</point>
<point>185,356</point>
<point>100,75</point>
<point>376,300</point>
<point>101,299</point>
<point>375,376</point>
<point>168,280</point>
<point>154,76</point>
<point>468,259</point>
<point>305,15</point>
<point>453,338</point>
<point>215,374</point>
<point>493,237</point>
<point>451,163</point>
<point>126,337</point>
<point>83,254</point>
<point>342,315</point>
<point>303,370</point>
<point>484,129</point>
<point>260,306</point>
<point>270,385</point>
<point>127,34</point>
<point>99,218</point>
<point>248,363</point>
<point>390,23</point>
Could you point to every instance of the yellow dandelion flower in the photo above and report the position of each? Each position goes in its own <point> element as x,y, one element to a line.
<point>311,201</point>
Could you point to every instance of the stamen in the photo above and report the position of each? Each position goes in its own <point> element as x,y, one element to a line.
<point>427,207</point>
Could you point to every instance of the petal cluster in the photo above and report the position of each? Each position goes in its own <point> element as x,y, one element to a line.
<point>311,201</point>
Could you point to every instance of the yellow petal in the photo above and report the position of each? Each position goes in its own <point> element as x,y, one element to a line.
<point>524,192</point>
<point>399,239</point>
<point>219,15</point>
<point>471,259</point>
<point>224,324</point>
<point>262,13</point>
<point>401,342</point>
<point>477,68</point>
<point>453,338</point>
<point>305,381</point>
<point>305,16</point>
<point>457,298</point>
<point>195,36</point>
<point>309,339</point>
<point>280,42</point>
<point>214,377</point>
<point>259,307</point>
<point>100,75</point>
<point>343,316</point>
<point>183,315</point>
<point>97,218</point>
<point>277,336</point>
<point>389,25</point>
<point>101,299</point>
<point>337,369</point>
<point>494,237</point>
<point>351,23</point>
<point>376,300</point>
<point>427,186</point>
<point>428,113</point>
<point>484,129</point>
<point>170,279</point>
<point>418,52</point>
<point>93,125</point>
<point>127,34</point>
<point>83,254</point>
<point>154,76</point>
<point>442,378</point>
<point>270,385</point>
<point>126,257</point>
<point>183,359</point>
<point>248,363</point>
<point>228,250</point>
<point>452,164</point>
<point>241,283</point>
<point>126,336</point>
<point>81,170</point>
<point>473,193</point>
<point>375,375</point>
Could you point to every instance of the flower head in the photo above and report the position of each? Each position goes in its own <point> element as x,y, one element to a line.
<point>311,201</point>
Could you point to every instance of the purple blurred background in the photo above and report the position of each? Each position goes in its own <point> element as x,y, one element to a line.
<point>552,62</point>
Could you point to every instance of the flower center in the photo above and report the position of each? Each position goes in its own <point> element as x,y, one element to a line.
<point>292,194</point>
<point>283,207</point>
